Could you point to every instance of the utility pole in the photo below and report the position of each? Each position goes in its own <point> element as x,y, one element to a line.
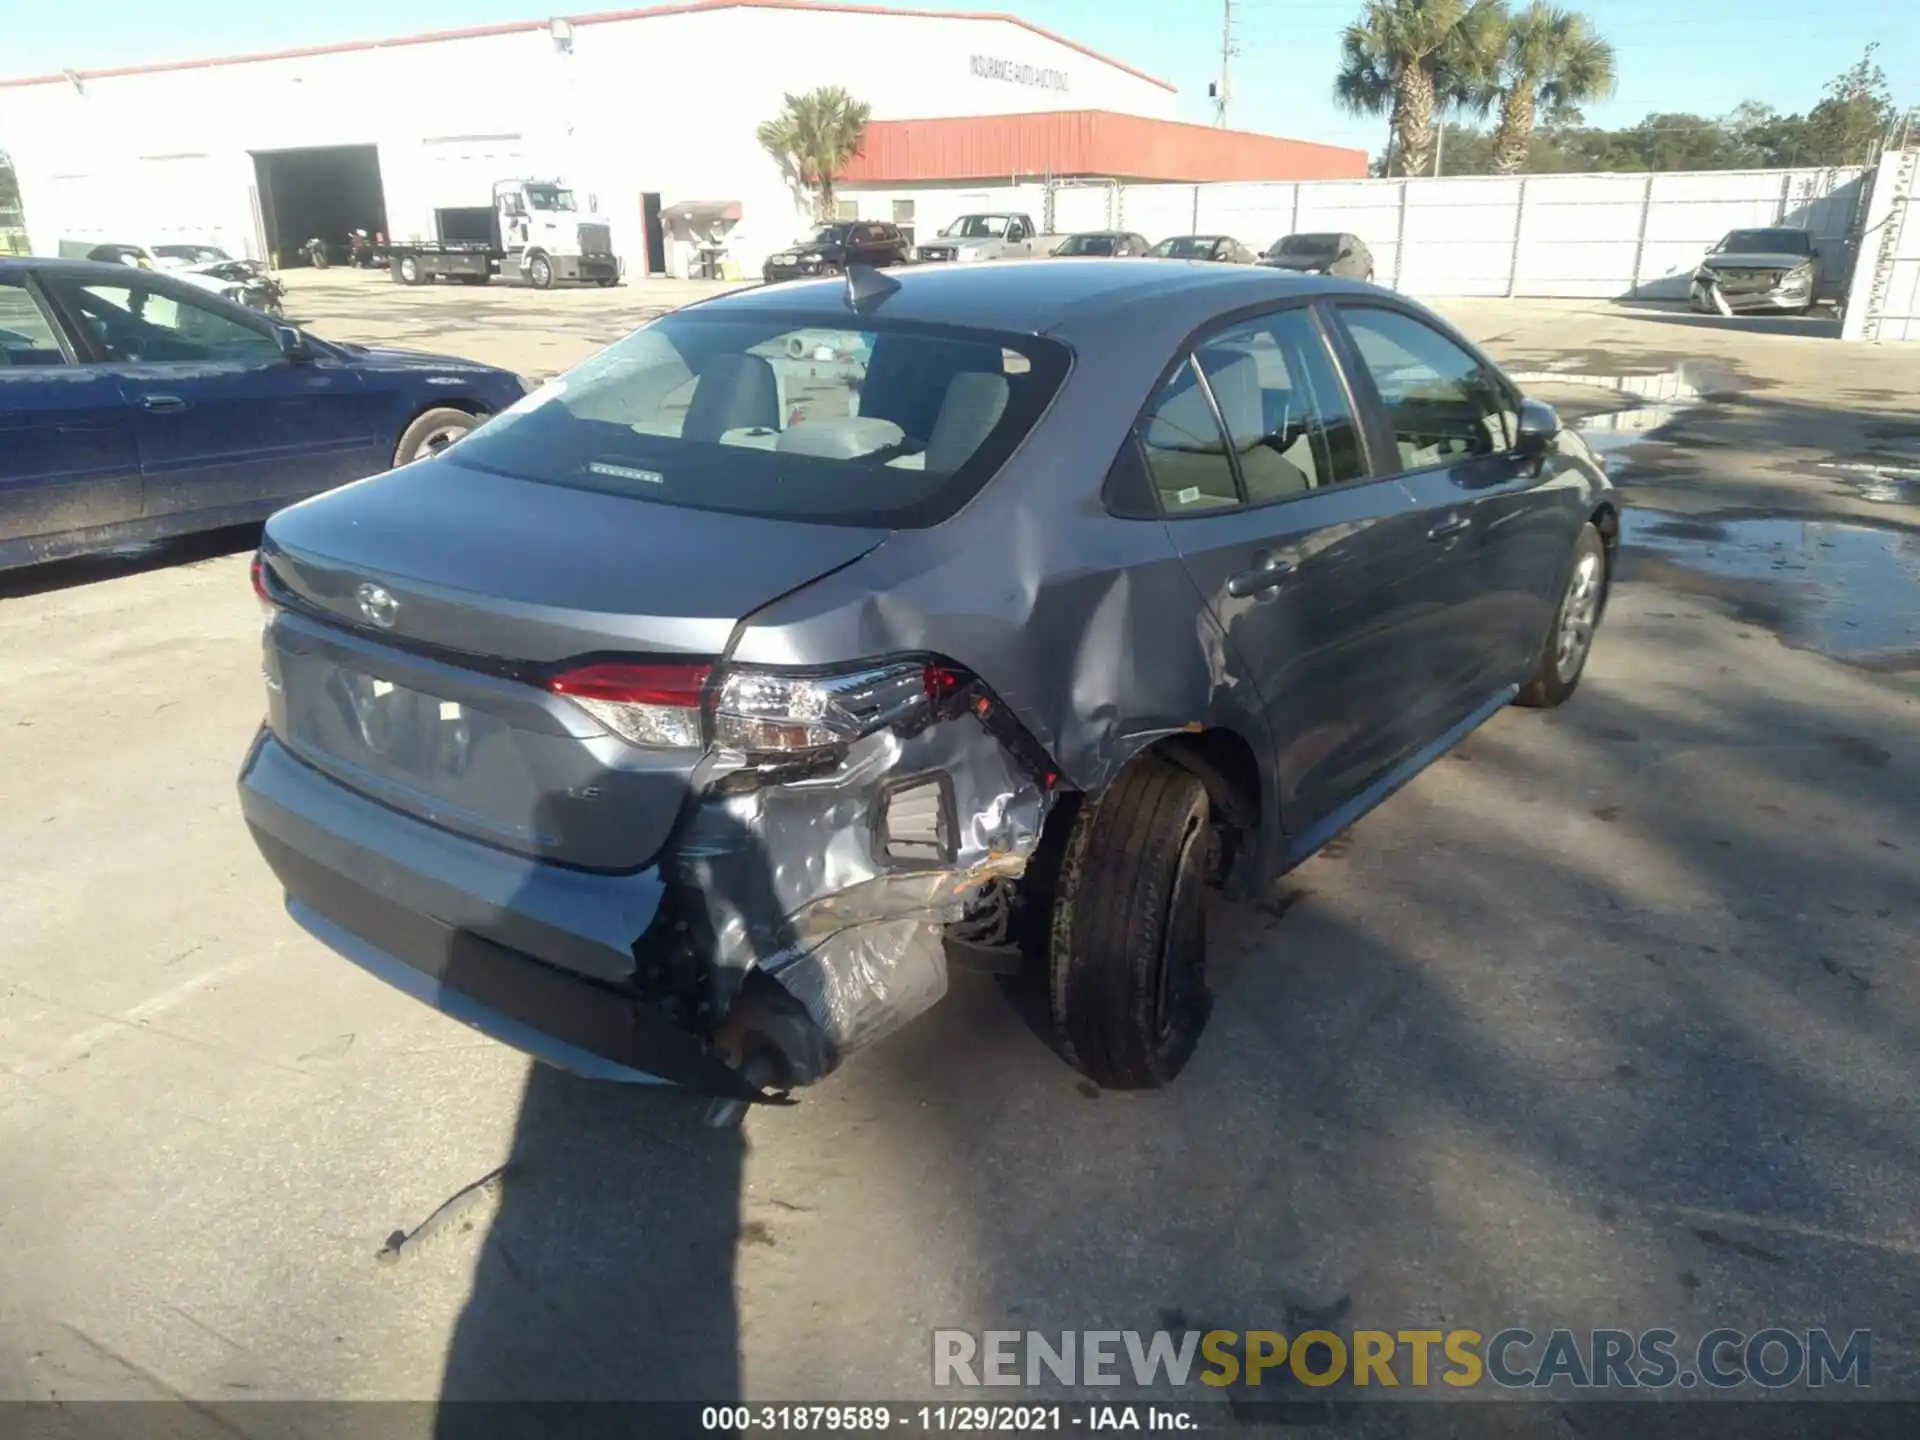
<point>1223,90</point>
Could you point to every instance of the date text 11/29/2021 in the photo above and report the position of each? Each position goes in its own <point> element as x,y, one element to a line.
<point>932,1419</point>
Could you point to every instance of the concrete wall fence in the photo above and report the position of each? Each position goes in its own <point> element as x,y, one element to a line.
<point>1884,301</point>
<point>1605,236</point>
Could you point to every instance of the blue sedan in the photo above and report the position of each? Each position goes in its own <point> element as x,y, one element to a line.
<point>134,406</point>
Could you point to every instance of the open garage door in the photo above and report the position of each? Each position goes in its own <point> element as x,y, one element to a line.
<point>329,191</point>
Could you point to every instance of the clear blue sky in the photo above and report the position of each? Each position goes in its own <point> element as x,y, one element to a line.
<point>1288,48</point>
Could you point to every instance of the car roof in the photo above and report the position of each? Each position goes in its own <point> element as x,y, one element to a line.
<point>80,269</point>
<point>1034,297</point>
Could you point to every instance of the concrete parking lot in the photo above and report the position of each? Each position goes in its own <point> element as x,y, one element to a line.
<point>1610,1019</point>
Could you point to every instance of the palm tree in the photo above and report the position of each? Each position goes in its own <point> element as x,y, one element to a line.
<point>1555,61</point>
<point>1413,58</point>
<point>814,136</point>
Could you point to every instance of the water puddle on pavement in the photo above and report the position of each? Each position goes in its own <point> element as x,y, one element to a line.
<point>1888,483</point>
<point>1615,413</point>
<point>1850,592</point>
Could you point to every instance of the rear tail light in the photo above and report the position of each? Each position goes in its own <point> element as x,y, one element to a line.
<point>653,705</point>
<point>754,712</point>
<point>758,712</point>
<point>257,572</point>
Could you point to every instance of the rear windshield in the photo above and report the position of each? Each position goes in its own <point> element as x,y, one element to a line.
<point>1087,245</point>
<point>1776,242</point>
<point>848,424</point>
<point>1185,247</point>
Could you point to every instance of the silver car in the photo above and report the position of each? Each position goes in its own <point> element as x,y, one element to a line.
<point>676,722</point>
<point>1769,271</point>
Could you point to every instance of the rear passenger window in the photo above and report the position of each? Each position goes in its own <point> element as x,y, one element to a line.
<point>1442,404</point>
<point>1286,411</point>
<point>1186,453</point>
<point>26,335</point>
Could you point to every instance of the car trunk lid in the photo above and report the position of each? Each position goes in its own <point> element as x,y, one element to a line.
<point>427,610</point>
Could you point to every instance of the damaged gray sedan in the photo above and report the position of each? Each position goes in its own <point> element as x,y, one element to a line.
<point>681,721</point>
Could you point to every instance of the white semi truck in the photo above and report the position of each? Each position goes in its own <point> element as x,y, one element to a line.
<point>533,230</point>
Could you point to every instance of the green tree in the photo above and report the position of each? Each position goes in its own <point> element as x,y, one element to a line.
<point>1854,111</point>
<point>813,137</point>
<point>1554,62</point>
<point>1412,60</point>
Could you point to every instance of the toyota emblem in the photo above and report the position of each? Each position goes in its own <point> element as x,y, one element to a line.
<point>378,605</point>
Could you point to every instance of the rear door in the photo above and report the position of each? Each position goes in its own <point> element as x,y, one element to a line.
<point>224,420</point>
<point>67,453</point>
<point>1305,554</point>
<point>865,246</point>
<point>1495,536</point>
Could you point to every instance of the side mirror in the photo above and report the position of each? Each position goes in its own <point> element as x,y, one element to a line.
<point>1539,425</point>
<point>1814,253</point>
<point>292,343</point>
<point>1346,253</point>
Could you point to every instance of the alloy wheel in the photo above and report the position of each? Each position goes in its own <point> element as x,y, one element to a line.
<point>1579,613</point>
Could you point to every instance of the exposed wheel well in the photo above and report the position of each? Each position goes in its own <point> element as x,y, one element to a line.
<point>1220,760</point>
<point>1223,762</point>
<point>1606,519</point>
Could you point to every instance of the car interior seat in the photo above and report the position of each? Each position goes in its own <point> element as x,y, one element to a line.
<point>1272,462</point>
<point>733,392</point>
<point>974,403</point>
<point>1185,455</point>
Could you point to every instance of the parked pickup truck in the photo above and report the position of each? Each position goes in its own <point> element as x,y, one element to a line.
<point>998,236</point>
<point>532,229</point>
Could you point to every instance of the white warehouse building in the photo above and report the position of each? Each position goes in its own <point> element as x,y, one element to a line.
<point>648,113</point>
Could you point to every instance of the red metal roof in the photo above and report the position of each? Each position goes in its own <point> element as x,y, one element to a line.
<point>1087,142</point>
<point>517,27</point>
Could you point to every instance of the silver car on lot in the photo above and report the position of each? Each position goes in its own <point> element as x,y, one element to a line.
<point>678,722</point>
<point>1771,271</point>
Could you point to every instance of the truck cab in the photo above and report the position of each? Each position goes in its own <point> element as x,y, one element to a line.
<point>546,236</point>
<point>995,235</point>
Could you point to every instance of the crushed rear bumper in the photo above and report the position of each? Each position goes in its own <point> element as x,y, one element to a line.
<point>437,916</point>
<point>837,884</point>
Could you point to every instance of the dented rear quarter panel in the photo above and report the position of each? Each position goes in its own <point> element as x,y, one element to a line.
<point>1087,626</point>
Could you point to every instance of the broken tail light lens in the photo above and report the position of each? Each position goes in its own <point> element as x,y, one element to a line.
<point>653,705</point>
<point>754,712</point>
<point>761,712</point>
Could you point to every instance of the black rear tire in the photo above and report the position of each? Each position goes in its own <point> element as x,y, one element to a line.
<point>1556,675</point>
<point>1128,943</point>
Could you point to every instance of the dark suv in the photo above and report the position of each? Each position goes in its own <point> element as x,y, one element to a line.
<point>834,246</point>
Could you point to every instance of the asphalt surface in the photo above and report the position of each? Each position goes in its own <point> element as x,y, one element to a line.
<point>1610,1019</point>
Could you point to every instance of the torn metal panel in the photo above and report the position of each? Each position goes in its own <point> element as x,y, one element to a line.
<point>838,884</point>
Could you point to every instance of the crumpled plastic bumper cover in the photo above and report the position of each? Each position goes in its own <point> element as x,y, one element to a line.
<point>406,902</point>
<point>837,885</point>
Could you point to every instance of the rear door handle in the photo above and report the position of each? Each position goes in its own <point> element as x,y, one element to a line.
<point>1269,574</point>
<point>1449,527</point>
<point>162,404</point>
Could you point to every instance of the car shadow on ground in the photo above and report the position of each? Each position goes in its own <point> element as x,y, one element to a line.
<point>127,560</point>
<point>1554,1068</point>
<point>1822,323</point>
